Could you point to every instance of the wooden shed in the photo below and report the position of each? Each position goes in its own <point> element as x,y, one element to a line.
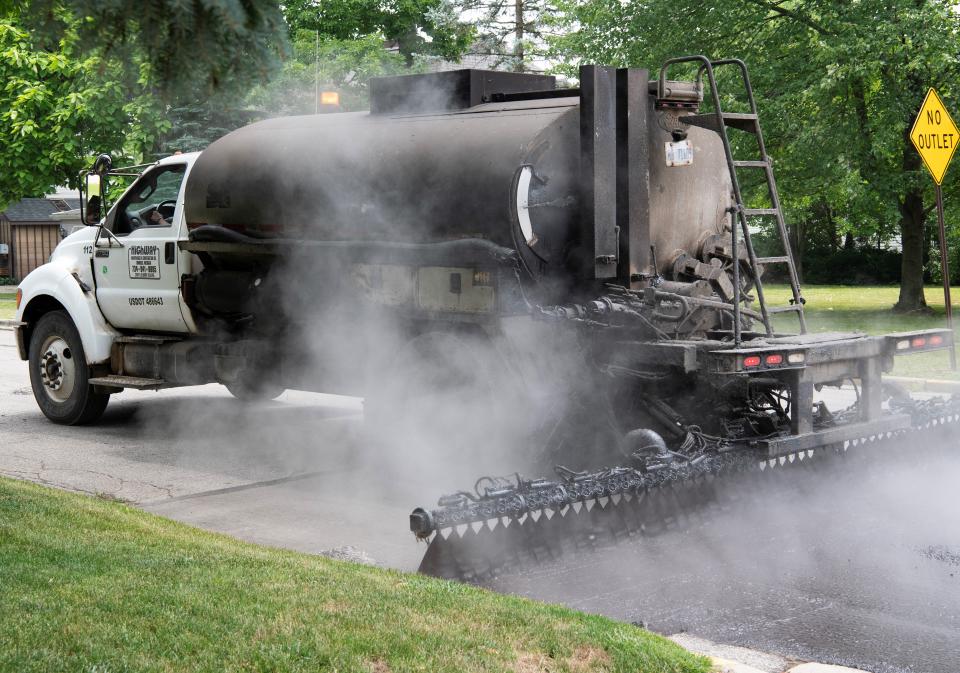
<point>30,233</point>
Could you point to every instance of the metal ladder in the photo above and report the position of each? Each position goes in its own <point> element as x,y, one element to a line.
<point>718,121</point>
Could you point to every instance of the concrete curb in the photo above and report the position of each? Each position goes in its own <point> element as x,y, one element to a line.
<point>732,658</point>
<point>736,659</point>
<point>823,668</point>
<point>721,665</point>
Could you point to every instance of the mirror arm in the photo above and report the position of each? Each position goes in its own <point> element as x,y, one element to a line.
<point>110,237</point>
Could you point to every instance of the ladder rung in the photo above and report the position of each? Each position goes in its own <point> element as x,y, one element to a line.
<point>745,121</point>
<point>793,308</point>
<point>759,211</point>
<point>783,259</point>
<point>739,116</point>
<point>741,120</point>
<point>751,164</point>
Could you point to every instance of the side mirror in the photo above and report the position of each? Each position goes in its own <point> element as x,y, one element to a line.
<point>95,189</point>
<point>94,197</point>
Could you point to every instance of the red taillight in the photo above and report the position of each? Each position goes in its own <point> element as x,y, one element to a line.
<point>751,361</point>
<point>936,340</point>
<point>774,359</point>
<point>918,342</point>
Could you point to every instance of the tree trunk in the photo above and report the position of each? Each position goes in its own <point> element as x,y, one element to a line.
<point>832,224</point>
<point>912,236</point>
<point>519,30</point>
<point>912,220</point>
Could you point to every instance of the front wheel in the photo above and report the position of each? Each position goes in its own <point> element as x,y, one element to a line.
<point>59,374</point>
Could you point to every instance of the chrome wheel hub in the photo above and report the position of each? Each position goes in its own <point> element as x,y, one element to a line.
<point>58,369</point>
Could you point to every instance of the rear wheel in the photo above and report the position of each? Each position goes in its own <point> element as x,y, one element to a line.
<point>59,374</point>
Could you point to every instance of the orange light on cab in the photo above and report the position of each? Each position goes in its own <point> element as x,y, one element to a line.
<point>19,297</point>
<point>329,98</point>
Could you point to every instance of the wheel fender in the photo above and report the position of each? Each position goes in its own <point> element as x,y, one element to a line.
<point>53,282</point>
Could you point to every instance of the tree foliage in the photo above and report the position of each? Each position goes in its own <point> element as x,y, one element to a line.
<point>205,45</point>
<point>59,105</point>
<point>128,77</point>
<point>839,85</point>
<point>340,44</point>
<point>195,123</point>
<point>324,63</point>
<point>416,27</point>
<point>511,32</point>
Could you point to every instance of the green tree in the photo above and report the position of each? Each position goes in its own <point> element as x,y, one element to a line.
<point>58,107</point>
<point>195,123</point>
<point>511,32</point>
<point>324,63</point>
<point>416,27</point>
<point>201,45</point>
<point>134,78</point>
<point>341,44</point>
<point>839,85</point>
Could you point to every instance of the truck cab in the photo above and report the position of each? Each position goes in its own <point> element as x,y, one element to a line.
<point>118,280</point>
<point>137,268</point>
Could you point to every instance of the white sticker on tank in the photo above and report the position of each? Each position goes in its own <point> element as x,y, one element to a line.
<point>679,153</point>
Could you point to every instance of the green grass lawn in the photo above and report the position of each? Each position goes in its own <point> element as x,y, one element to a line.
<point>833,308</point>
<point>8,307</point>
<point>92,585</point>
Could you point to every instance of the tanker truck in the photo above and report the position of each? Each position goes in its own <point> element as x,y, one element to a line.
<point>480,237</point>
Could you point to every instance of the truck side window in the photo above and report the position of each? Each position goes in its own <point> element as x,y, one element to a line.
<point>152,200</point>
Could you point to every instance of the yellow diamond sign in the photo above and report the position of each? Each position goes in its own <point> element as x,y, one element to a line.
<point>935,135</point>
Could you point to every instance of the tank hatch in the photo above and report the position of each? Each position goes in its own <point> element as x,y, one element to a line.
<point>450,90</point>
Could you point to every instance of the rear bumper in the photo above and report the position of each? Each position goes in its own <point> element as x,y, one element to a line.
<point>830,357</point>
<point>806,362</point>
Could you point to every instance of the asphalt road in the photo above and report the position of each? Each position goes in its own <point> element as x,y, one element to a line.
<point>862,570</point>
<point>288,473</point>
<point>859,569</point>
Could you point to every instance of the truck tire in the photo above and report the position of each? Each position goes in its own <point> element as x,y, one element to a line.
<point>59,374</point>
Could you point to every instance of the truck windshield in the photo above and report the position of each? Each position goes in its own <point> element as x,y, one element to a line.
<point>152,200</point>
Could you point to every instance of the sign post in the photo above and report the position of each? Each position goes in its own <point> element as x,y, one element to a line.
<point>936,137</point>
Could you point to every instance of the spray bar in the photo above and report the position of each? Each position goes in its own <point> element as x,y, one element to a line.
<point>512,521</point>
<point>515,497</point>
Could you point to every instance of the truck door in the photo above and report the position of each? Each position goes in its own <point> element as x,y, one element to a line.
<point>137,270</point>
